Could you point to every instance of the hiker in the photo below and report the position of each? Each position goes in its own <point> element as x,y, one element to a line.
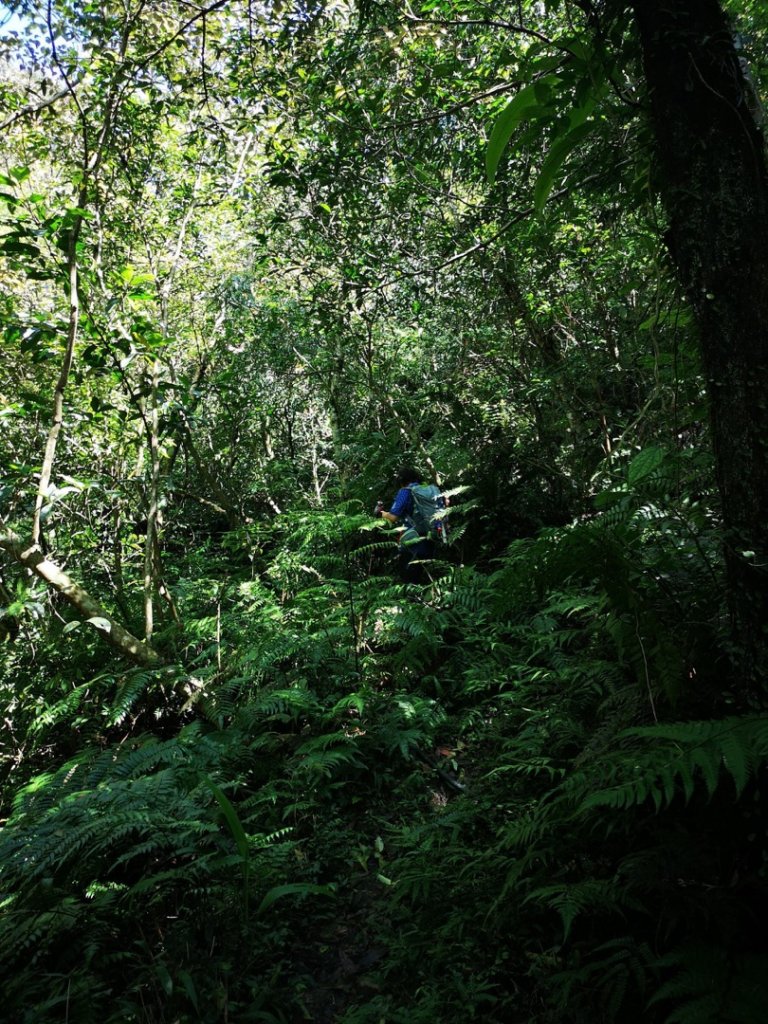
<point>415,514</point>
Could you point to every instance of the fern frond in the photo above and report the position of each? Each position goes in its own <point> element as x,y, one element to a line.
<point>671,758</point>
<point>570,900</point>
<point>131,689</point>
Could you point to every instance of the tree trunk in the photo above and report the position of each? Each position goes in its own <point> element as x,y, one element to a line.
<point>32,558</point>
<point>61,384</point>
<point>714,184</point>
<point>151,542</point>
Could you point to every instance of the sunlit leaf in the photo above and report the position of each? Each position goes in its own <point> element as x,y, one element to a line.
<point>100,623</point>
<point>555,159</point>
<point>517,110</point>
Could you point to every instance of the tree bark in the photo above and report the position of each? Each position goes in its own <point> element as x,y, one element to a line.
<point>711,170</point>
<point>61,384</point>
<point>32,558</point>
<point>152,540</point>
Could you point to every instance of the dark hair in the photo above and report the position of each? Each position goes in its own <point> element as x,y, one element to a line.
<point>408,475</point>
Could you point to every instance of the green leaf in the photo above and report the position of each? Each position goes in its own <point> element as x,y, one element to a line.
<point>100,623</point>
<point>517,110</point>
<point>710,769</point>
<point>644,463</point>
<point>676,317</point>
<point>607,499</point>
<point>189,987</point>
<point>554,161</point>
<point>579,114</point>
<point>238,834</point>
<point>230,814</point>
<point>164,977</point>
<point>294,889</point>
<point>577,47</point>
<point>737,760</point>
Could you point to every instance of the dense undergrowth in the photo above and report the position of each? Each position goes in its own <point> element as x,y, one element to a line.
<point>521,794</point>
<point>254,257</point>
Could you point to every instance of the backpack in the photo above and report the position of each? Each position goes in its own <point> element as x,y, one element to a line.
<point>428,514</point>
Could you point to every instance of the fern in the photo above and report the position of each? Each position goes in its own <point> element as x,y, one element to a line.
<point>709,986</point>
<point>681,754</point>
<point>325,755</point>
<point>591,895</point>
<point>130,691</point>
<point>616,970</point>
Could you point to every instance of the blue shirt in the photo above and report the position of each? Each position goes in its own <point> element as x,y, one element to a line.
<point>402,506</point>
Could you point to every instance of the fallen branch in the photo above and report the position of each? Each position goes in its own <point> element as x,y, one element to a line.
<point>32,558</point>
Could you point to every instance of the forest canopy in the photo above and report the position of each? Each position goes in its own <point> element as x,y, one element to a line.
<point>256,259</point>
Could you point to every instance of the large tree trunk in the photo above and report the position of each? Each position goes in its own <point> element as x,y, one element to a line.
<point>712,175</point>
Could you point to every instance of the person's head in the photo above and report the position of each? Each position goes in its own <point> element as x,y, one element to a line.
<point>407,475</point>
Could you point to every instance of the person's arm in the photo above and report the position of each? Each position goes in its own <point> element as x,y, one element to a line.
<point>400,507</point>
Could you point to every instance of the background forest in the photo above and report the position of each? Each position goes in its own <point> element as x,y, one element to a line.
<point>255,256</point>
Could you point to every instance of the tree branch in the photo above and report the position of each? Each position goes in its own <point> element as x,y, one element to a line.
<point>32,558</point>
<point>35,108</point>
<point>200,12</point>
<point>506,26</point>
